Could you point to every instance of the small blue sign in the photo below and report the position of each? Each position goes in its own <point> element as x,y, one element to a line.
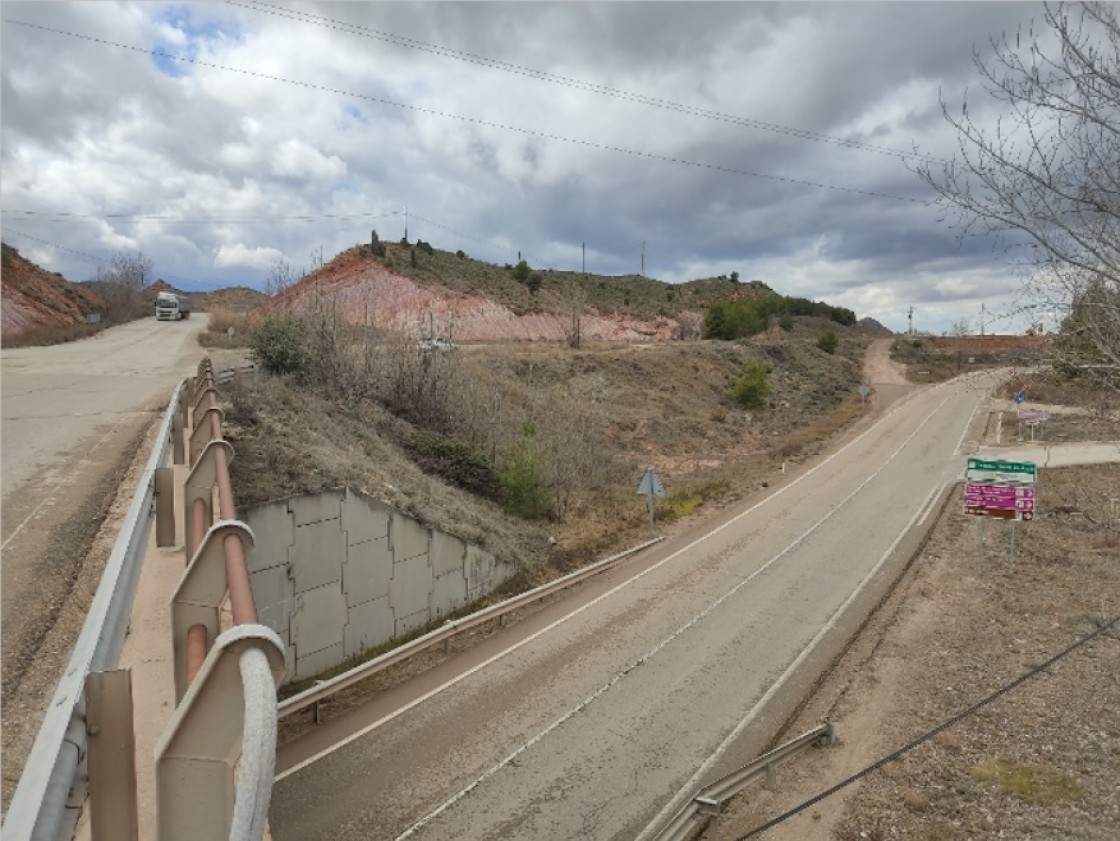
<point>1020,397</point>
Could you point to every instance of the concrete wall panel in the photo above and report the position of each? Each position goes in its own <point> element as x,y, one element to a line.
<point>449,593</point>
<point>365,519</point>
<point>366,573</point>
<point>448,553</point>
<point>273,594</point>
<point>272,526</point>
<point>318,620</point>
<point>355,574</point>
<point>317,662</point>
<point>316,509</point>
<point>317,554</point>
<point>370,624</point>
<point>410,589</point>
<point>409,538</point>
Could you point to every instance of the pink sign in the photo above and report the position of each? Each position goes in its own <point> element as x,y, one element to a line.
<point>1010,497</point>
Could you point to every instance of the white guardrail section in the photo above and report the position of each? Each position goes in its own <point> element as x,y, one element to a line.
<point>53,786</point>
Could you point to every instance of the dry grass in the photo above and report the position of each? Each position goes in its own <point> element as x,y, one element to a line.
<point>41,336</point>
<point>217,332</point>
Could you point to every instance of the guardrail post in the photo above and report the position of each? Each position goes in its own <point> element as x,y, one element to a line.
<point>178,446</point>
<point>165,506</point>
<point>200,434</point>
<point>200,593</point>
<point>196,755</point>
<point>112,760</point>
<point>199,487</point>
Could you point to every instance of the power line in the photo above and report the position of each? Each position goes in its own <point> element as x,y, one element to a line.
<point>578,84</point>
<point>100,261</point>
<point>60,216</point>
<point>925,737</point>
<point>474,120</point>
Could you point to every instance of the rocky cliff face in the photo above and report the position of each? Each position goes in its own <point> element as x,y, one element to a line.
<point>34,297</point>
<point>365,292</point>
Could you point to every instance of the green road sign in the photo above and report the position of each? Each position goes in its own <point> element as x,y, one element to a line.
<point>1001,472</point>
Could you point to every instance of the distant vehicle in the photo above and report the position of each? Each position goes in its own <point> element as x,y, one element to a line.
<point>443,345</point>
<point>171,307</point>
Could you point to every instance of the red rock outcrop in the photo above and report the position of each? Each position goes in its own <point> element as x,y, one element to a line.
<point>367,293</point>
<point>34,297</point>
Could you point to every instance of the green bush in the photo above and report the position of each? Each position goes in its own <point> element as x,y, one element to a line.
<point>457,463</point>
<point>279,345</point>
<point>752,386</point>
<point>828,342</point>
<point>534,283</point>
<point>521,272</point>
<point>524,493</point>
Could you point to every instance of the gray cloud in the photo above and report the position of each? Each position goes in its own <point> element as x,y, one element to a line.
<point>223,158</point>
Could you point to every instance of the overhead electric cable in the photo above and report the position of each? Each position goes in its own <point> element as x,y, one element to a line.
<point>100,261</point>
<point>59,216</point>
<point>474,120</point>
<point>578,84</point>
<point>925,737</point>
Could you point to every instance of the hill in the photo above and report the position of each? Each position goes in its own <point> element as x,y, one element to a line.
<point>35,298</point>
<point>423,292</point>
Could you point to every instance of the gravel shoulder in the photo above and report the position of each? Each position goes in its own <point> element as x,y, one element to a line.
<point>969,616</point>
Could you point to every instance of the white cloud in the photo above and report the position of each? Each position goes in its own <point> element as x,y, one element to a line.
<point>296,159</point>
<point>241,256</point>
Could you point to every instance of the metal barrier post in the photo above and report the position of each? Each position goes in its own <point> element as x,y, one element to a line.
<point>112,757</point>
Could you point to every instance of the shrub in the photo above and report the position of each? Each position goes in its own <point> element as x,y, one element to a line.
<point>534,283</point>
<point>458,463</point>
<point>279,345</point>
<point>426,247</point>
<point>523,488</point>
<point>521,272</point>
<point>828,342</point>
<point>752,385</point>
<point>786,322</point>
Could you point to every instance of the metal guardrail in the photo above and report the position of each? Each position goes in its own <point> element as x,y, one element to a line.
<point>710,800</point>
<point>326,688</point>
<point>225,681</point>
<point>54,782</point>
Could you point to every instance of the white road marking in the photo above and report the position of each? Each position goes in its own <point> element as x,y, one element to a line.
<point>691,786</point>
<point>435,691</point>
<point>582,705</point>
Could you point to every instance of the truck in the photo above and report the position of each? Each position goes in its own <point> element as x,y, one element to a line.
<point>171,307</point>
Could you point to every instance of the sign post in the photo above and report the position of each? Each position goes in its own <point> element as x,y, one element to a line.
<point>1000,489</point>
<point>651,487</point>
<point>864,390</point>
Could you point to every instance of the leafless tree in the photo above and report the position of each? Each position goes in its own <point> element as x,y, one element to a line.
<point>1049,171</point>
<point>961,327</point>
<point>280,277</point>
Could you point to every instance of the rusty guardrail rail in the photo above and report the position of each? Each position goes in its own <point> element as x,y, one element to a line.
<point>711,798</point>
<point>326,688</point>
<point>225,681</point>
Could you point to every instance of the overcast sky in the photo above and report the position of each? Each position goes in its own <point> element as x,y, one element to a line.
<point>775,140</point>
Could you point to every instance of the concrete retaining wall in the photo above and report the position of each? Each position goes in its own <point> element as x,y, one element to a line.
<point>339,573</point>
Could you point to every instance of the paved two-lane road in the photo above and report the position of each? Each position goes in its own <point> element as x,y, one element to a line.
<point>70,415</point>
<point>602,716</point>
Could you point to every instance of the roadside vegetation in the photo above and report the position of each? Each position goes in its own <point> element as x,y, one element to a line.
<point>511,444</point>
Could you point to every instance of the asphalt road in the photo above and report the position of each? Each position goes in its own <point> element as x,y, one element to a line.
<point>68,414</point>
<point>598,717</point>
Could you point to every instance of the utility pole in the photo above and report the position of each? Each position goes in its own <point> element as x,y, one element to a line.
<point>910,316</point>
<point>406,223</point>
<point>982,319</point>
<point>643,258</point>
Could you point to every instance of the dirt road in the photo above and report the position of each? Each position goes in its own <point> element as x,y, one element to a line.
<point>72,418</point>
